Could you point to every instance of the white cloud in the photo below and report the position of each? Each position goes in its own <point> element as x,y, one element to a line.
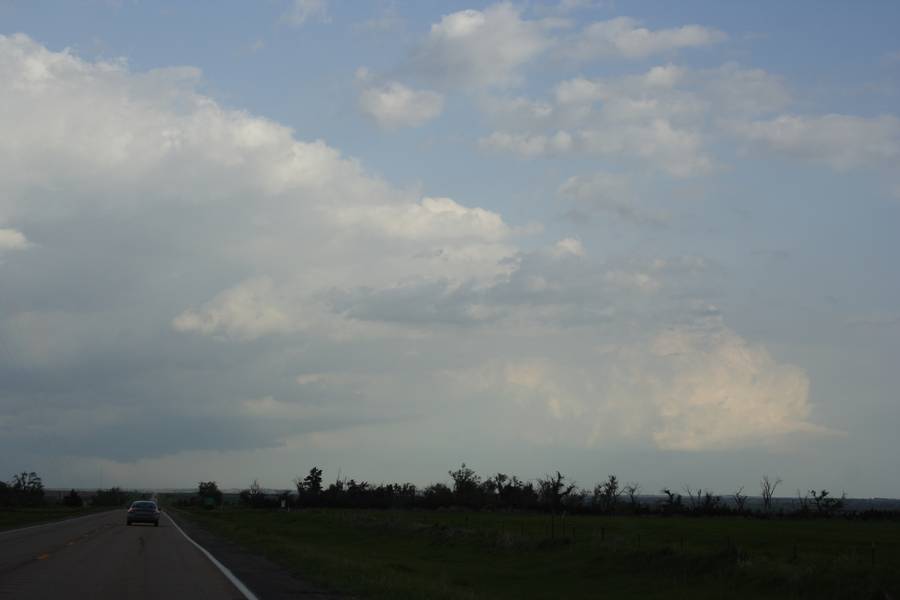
<point>518,110</point>
<point>302,12</point>
<point>608,192</point>
<point>722,391</point>
<point>430,219</point>
<point>526,145</point>
<point>622,37</point>
<point>123,143</point>
<point>732,89</point>
<point>215,223</point>
<point>247,311</point>
<point>566,246</point>
<point>473,48</point>
<point>396,105</point>
<point>665,117</point>
<point>10,239</point>
<point>840,141</point>
<point>687,389</point>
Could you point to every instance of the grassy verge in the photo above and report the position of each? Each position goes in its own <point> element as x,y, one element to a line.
<point>413,554</point>
<point>13,518</point>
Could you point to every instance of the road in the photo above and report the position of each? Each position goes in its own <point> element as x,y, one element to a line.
<point>99,557</point>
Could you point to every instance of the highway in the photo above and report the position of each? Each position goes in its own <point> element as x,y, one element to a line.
<point>99,557</point>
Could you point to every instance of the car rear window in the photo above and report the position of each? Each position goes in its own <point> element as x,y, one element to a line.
<point>144,505</point>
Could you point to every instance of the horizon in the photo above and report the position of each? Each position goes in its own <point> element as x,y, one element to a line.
<point>386,239</point>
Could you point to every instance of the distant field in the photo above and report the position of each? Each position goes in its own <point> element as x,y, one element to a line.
<point>450,554</point>
<point>11,518</point>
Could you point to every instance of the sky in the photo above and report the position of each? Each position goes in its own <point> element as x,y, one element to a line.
<point>242,239</point>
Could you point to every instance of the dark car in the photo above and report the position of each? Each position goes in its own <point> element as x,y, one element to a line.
<point>143,511</point>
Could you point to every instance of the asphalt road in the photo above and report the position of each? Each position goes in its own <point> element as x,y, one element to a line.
<point>99,557</point>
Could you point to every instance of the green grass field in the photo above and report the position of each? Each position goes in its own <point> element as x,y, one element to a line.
<point>12,518</point>
<point>449,554</point>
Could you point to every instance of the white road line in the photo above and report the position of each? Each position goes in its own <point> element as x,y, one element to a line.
<point>60,522</point>
<point>225,571</point>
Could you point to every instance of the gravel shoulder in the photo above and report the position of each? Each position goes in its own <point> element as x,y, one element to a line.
<point>265,578</point>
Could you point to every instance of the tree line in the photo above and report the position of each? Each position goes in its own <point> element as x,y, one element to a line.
<point>26,490</point>
<point>554,493</point>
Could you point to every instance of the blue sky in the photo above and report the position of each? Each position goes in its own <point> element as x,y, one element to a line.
<point>240,239</point>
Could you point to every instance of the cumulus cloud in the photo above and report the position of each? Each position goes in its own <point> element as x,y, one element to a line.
<point>395,105</point>
<point>624,37</point>
<point>247,311</point>
<point>473,48</point>
<point>10,239</point>
<point>839,141</point>
<point>528,145</point>
<point>722,391</point>
<point>608,192</point>
<point>225,228</point>
<point>665,117</point>
<point>257,289</point>
<point>686,388</point>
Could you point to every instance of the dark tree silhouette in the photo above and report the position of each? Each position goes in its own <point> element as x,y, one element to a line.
<point>209,493</point>
<point>466,486</point>
<point>606,494</point>
<point>767,491</point>
<point>554,490</point>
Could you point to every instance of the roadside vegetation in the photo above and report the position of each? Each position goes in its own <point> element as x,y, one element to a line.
<point>486,554</point>
<point>24,501</point>
<point>500,537</point>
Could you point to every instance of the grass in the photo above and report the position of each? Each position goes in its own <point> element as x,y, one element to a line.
<point>13,518</point>
<point>450,554</point>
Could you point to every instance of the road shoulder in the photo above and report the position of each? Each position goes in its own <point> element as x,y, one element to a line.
<point>267,579</point>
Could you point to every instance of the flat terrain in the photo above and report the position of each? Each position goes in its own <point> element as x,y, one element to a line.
<point>457,554</point>
<point>98,557</point>
<point>11,518</point>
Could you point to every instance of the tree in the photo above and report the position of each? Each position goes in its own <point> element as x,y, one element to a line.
<point>466,485</point>
<point>740,499</point>
<point>309,489</point>
<point>606,494</point>
<point>253,496</point>
<point>73,499</point>
<point>672,503</point>
<point>553,490</point>
<point>632,490</point>
<point>209,493</point>
<point>824,504</point>
<point>27,489</point>
<point>767,491</point>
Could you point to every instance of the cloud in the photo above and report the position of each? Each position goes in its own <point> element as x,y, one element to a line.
<point>665,117</point>
<point>611,193</point>
<point>10,239</point>
<point>527,145</point>
<point>622,37</point>
<point>301,12</point>
<point>246,311</point>
<point>430,219</point>
<point>395,105</point>
<point>473,48</point>
<point>721,391</point>
<point>839,141</point>
<point>696,388</point>
<point>258,289</point>
<point>221,236</point>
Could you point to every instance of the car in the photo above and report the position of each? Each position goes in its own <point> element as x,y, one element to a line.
<point>143,511</point>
